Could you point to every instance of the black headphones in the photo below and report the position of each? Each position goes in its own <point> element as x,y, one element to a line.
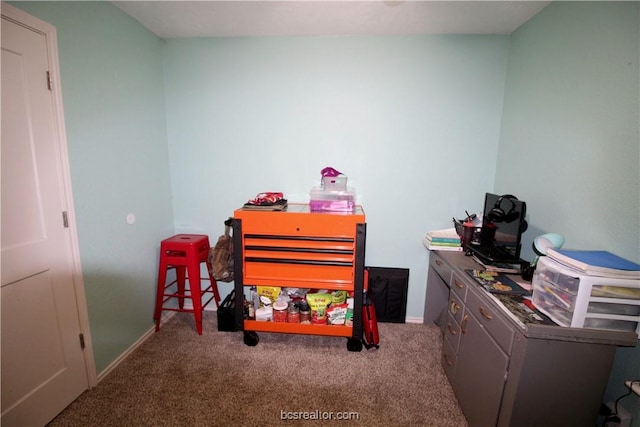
<point>498,214</point>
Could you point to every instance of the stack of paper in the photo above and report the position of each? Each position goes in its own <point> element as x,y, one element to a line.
<point>596,263</point>
<point>443,240</point>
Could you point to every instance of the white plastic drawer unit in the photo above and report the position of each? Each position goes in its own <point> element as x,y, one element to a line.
<point>582,301</point>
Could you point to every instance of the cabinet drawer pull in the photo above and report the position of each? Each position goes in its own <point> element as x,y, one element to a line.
<point>451,330</point>
<point>463,324</point>
<point>453,308</point>
<point>458,284</point>
<point>439,263</point>
<point>447,360</point>
<point>485,314</point>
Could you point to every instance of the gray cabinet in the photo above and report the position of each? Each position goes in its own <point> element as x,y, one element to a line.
<point>437,290</point>
<point>480,372</point>
<point>506,371</point>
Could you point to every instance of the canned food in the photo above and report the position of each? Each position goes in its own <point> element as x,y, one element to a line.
<point>280,312</point>
<point>293,313</point>
<point>305,317</point>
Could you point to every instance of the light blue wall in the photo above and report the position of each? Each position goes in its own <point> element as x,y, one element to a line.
<point>570,143</point>
<point>112,87</point>
<point>413,121</point>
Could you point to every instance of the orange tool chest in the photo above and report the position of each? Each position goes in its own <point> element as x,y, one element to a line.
<point>298,248</point>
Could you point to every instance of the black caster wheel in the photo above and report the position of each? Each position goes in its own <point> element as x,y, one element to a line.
<point>251,339</point>
<point>371,346</point>
<point>354,344</point>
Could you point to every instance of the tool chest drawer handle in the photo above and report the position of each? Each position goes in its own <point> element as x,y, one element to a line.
<point>307,238</point>
<point>299,261</point>
<point>303,250</point>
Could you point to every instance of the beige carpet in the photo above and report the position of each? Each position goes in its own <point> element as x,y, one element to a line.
<point>177,378</point>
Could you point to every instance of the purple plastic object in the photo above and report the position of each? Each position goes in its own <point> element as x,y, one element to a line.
<point>329,171</point>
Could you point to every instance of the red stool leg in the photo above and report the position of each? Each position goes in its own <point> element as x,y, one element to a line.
<point>214,286</point>
<point>193,272</point>
<point>180,280</point>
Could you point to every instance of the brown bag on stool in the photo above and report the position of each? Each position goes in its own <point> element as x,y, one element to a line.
<point>221,256</point>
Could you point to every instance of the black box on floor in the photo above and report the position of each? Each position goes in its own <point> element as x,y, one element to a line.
<point>226,314</point>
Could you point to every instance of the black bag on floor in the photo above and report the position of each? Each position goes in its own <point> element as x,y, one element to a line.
<point>388,287</point>
<point>226,314</point>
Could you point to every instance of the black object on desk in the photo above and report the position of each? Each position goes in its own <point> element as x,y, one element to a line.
<point>503,223</point>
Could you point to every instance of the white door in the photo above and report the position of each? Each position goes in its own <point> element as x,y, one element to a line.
<point>44,366</point>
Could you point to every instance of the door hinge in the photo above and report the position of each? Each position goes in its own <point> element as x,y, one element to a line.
<point>49,81</point>
<point>82,341</point>
<point>65,219</point>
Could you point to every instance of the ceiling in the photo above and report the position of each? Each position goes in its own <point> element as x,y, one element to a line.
<point>172,19</point>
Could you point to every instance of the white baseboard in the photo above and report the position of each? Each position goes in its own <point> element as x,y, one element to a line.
<point>133,347</point>
<point>211,307</point>
<point>187,304</point>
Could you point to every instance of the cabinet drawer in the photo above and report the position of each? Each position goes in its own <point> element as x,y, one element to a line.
<point>442,268</point>
<point>489,318</point>
<point>458,285</point>
<point>452,331</point>
<point>448,360</point>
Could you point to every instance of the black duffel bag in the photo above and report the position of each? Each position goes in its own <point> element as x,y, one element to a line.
<point>226,314</point>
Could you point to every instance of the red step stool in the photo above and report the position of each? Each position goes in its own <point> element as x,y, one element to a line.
<point>184,253</point>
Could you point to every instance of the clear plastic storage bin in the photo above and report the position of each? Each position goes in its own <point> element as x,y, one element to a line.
<point>332,200</point>
<point>582,301</point>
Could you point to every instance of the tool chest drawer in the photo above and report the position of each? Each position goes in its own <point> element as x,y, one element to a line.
<point>299,259</point>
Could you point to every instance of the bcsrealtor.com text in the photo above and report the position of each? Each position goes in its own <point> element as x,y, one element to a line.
<point>319,415</point>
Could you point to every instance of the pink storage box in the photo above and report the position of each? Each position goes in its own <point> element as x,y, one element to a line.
<point>323,200</point>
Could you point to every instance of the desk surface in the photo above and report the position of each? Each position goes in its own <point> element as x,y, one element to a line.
<point>459,262</point>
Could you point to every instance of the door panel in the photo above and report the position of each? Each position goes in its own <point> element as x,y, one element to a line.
<point>43,365</point>
<point>23,224</point>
